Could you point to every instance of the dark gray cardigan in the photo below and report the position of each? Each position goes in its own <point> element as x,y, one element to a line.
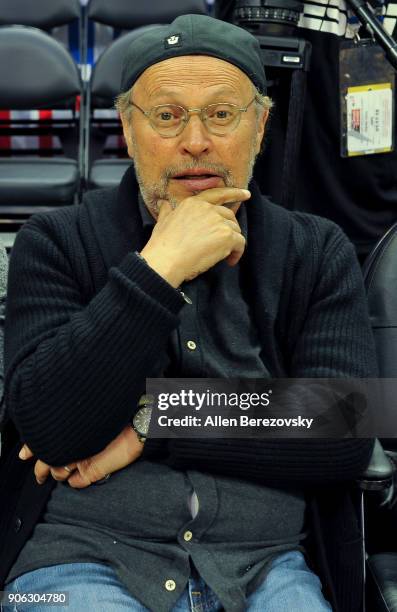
<point>84,313</point>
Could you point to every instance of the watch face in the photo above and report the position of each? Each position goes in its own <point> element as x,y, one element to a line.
<point>142,420</point>
<point>145,400</point>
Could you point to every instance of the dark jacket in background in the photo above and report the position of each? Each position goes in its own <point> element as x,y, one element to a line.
<point>358,193</point>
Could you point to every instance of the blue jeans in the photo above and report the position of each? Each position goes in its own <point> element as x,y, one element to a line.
<point>290,586</point>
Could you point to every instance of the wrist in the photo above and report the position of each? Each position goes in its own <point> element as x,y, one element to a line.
<point>164,267</point>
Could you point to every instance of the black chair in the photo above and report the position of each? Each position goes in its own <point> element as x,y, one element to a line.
<point>380,275</point>
<point>43,14</point>
<point>40,13</point>
<point>39,74</point>
<point>375,487</point>
<point>104,167</point>
<point>127,15</point>
<point>375,492</point>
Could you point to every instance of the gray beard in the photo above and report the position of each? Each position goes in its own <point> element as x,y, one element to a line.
<point>153,192</point>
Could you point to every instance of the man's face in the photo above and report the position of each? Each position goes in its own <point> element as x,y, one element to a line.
<point>192,82</point>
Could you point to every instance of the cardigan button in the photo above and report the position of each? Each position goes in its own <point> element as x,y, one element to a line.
<point>187,536</point>
<point>17,525</point>
<point>170,585</point>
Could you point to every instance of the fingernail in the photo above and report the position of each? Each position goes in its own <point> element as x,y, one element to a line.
<point>39,481</point>
<point>22,453</point>
<point>247,192</point>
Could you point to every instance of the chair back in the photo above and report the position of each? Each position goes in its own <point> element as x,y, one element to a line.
<point>39,88</point>
<point>36,72</point>
<point>127,14</point>
<point>44,14</point>
<point>106,74</point>
<point>106,154</point>
<point>380,278</point>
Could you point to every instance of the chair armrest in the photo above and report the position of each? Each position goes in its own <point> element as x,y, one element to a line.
<point>378,475</point>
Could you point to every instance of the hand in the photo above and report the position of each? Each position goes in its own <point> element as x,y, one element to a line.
<point>195,236</point>
<point>119,453</point>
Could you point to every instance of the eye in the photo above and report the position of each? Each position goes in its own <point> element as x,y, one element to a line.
<point>166,116</point>
<point>222,114</point>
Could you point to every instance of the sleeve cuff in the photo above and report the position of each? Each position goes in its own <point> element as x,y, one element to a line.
<point>151,283</point>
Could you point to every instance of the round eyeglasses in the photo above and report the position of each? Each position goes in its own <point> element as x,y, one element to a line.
<point>170,119</point>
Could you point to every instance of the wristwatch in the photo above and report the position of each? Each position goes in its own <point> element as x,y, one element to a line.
<point>141,421</point>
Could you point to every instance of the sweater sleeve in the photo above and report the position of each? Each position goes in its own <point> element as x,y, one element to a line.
<point>335,341</point>
<point>76,367</point>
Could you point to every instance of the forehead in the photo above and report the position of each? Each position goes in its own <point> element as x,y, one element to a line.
<point>186,73</point>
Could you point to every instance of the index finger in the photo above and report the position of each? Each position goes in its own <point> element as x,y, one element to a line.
<point>41,471</point>
<point>224,195</point>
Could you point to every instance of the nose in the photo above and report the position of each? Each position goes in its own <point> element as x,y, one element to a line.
<point>195,140</point>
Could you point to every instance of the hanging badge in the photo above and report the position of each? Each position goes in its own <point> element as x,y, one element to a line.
<point>367,85</point>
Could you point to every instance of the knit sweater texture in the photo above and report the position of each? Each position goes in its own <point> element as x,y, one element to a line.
<point>77,353</point>
<point>86,318</point>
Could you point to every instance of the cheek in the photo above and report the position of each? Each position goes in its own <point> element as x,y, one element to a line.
<point>237,150</point>
<point>155,155</point>
<point>236,157</point>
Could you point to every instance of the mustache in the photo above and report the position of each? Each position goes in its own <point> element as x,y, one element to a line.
<point>218,169</point>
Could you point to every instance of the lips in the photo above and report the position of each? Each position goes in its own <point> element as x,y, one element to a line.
<point>198,180</point>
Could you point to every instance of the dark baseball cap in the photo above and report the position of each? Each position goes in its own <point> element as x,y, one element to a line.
<point>194,35</point>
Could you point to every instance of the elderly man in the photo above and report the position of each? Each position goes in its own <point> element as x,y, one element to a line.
<point>96,306</point>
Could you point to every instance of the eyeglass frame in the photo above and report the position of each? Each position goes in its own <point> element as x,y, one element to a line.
<point>199,111</point>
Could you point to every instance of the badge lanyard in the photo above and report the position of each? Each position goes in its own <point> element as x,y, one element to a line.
<point>367,94</point>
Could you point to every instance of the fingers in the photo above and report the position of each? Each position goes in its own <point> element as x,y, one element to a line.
<point>217,196</point>
<point>233,225</point>
<point>25,452</point>
<point>77,481</point>
<point>88,471</point>
<point>224,212</point>
<point>41,471</point>
<point>229,218</point>
<point>119,453</point>
<point>238,250</point>
<point>239,240</point>
<point>224,195</point>
<point>61,473</point>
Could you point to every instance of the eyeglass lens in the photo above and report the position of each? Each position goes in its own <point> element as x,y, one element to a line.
<point>169,118</point>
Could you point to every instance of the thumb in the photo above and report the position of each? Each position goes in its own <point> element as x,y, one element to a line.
<point>164,209</point>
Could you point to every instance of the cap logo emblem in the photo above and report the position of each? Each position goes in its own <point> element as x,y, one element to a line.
<point>173,41</point>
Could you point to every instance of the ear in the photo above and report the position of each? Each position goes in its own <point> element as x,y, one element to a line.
<point>127,135</point>
<point>261,130</point>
